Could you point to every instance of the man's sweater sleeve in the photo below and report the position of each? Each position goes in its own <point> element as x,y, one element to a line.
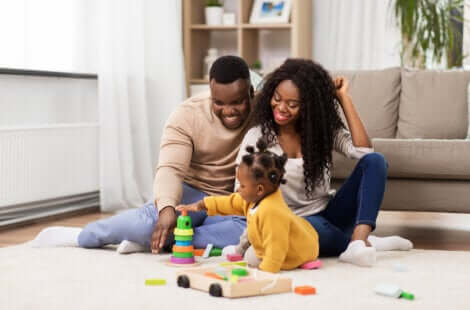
<point>226,205</point>
<point>176,150</point>
<point>275,237</point>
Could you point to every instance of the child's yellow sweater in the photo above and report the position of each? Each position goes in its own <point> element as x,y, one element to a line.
<point>281,239</point>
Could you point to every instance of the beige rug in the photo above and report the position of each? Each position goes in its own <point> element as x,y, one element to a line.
<point>73,278</point>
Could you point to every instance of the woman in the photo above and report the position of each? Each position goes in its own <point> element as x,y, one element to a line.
<point>297,111</point>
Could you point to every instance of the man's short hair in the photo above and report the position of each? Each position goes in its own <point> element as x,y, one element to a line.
<point>228,69</point>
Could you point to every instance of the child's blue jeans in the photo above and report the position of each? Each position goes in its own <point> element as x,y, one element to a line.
<point>356,202</point>
<point>137,225</point>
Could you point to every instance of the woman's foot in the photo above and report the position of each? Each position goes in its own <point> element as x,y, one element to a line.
<point>57,236</point>
<point>357,253</point>
<point>390,243</point>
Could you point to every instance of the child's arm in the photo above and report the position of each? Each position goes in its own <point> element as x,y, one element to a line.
<point>219,205</point>
<point>275,239</point>
<point>193,207</point>
<point>244,243</point>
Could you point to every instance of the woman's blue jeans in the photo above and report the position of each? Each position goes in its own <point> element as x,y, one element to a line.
<point>357,202</point>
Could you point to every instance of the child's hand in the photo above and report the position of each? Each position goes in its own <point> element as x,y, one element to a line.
<point>194,207</point>
<point>342,86</point>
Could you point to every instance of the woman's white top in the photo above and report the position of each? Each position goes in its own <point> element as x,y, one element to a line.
<point>294,190</point>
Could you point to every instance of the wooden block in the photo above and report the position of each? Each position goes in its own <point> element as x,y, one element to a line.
<point>198,252</point>
<point>234,257</point>
<point>315,264</point>
<point>305,290</point>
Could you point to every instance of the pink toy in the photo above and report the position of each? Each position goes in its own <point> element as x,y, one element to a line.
<point>234,257</point>
<point>314,264</point>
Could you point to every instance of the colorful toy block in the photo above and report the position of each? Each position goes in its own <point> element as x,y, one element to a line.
<point>315,264</point>
<point>234,257</point>
<point>305,290</point>
<point>241,272</point>
<point>155,282</point>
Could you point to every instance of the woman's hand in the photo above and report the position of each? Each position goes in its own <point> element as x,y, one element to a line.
<point>194,207</point>
<point>342,87</point>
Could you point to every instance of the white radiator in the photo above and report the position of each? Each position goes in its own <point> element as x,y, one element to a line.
<point>48,162</point>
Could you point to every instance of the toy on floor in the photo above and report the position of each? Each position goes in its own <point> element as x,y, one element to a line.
<point>234,257</point>
<point>233,281</point>
<point>305,290</point>
<point>153,282</point>
<point>183,249</point>
<point>314,264</point>
<point>392,290</point>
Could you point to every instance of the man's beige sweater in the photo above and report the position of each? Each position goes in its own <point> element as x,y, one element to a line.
<point>196,149</point>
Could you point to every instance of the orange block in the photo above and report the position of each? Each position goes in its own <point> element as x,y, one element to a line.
<point>198,252</point>
<point>183,249</point>
<point>305,290</point>
<point>213,275</point>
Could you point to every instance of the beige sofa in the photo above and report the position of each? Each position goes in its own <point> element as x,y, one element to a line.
<point>419,121</point>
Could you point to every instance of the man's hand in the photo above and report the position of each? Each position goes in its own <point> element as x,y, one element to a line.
<point>165,224</point>
<point>194,207</point>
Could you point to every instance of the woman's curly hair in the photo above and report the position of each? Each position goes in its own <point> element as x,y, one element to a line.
<point>319,120</point>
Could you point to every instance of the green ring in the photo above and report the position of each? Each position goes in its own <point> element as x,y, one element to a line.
<point>183,254</point>
<point>184,238</point>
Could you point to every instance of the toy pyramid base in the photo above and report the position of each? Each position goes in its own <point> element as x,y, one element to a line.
<point>171,264</point>
<point>182,262</point>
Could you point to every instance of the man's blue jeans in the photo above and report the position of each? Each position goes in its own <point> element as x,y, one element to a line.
<point>137,225</point>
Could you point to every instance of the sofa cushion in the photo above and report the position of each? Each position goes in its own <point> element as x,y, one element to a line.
<point>417,159</point>
<point>376,94</point>
<point>433,104</point>
<point>468,109</point>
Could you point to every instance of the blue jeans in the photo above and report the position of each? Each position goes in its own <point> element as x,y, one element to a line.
<point>137,225</point>
<point>356,202</point>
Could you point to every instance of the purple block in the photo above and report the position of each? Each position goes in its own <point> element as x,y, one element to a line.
<point>178,260</point>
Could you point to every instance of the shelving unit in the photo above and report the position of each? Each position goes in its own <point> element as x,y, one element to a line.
<point>197,35</point>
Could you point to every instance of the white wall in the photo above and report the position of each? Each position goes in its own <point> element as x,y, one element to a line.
<point>28,101</point>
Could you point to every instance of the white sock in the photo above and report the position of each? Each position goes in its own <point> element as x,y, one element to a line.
<point>359,254</point>
<point>229,249</point>
<point>57,236</point>
<point>126,247</point>
<point>390,243</point>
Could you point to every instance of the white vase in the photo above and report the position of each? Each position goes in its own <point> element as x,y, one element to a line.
<point>214,15</point>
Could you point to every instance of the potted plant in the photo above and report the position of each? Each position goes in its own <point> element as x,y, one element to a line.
<point>430,27</point>
<point>214,12</point>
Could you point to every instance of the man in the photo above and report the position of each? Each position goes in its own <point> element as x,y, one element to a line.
<point>199,146</point>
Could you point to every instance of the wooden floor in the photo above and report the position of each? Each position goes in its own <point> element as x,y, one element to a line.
<point>440,231</point>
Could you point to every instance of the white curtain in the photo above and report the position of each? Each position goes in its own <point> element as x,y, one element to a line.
<point>135,47</point>
<point>140,81</point>
<point>355,34</point>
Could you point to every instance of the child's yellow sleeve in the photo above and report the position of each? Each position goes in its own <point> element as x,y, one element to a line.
<point>233,204</point>
<point>275,239</point>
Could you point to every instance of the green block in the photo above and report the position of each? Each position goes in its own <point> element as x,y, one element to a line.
<point>241,272</point>
<point>183,255</point>
<point>215,252</point>
<point>155,282</point>
<point>184,238</point>
<point>407,295</point>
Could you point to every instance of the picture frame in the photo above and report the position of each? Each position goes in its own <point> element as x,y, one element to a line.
<point>271,12</point>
